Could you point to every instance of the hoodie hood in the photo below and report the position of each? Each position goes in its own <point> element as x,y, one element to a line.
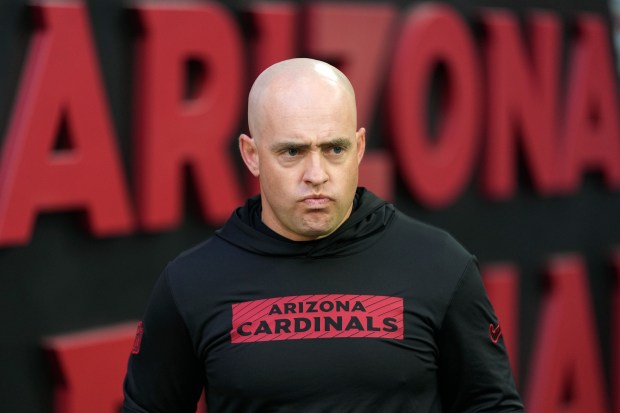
<point>363,228</point>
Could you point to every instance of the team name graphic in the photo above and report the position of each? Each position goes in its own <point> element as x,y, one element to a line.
<point>317,316</point>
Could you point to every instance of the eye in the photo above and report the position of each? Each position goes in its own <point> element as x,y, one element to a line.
<point>338,149</point>
<point>292,151</point>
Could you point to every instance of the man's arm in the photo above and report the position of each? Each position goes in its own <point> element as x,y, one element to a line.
<point>474,372</point>
<point>163,374</point>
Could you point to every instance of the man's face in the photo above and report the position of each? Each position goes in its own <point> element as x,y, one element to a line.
<point>309,154</point>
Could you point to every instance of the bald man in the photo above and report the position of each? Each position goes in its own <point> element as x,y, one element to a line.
<point>305,149</point>
<point>317,296</point>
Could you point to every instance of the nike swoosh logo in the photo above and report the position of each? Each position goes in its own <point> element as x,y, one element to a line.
<point>495,332</point>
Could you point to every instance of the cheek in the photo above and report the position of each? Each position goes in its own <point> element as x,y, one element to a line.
<point>348,174</point>
<point>278,181</point>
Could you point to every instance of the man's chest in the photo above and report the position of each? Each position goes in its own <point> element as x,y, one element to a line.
<point>320,344</point>
<point>303,331</point>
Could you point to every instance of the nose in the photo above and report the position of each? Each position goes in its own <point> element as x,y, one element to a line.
<point>315,173</point>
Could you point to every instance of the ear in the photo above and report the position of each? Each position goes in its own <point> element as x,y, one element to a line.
<point>249,153</point>
<point>361,144</point>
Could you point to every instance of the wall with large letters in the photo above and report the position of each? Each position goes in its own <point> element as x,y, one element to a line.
<point>498,120</point>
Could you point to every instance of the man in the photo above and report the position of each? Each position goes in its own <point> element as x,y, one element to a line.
<point>317,296</point>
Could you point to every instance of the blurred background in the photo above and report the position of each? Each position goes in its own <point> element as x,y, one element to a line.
<point>497,120</point>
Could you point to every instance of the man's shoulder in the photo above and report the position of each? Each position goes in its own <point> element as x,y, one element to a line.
<point>426,236</point>
<point>200,268</point>
<point>198,256</point>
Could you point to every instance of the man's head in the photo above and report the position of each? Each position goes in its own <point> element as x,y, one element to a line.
<point>305,147</point>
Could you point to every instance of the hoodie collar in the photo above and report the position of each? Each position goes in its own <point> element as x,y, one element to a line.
<point>366,222</point>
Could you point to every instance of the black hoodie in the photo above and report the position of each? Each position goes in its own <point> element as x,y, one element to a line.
<point>386,314</point>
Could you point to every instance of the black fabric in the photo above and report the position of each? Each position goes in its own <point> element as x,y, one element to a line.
<point>446,360</point>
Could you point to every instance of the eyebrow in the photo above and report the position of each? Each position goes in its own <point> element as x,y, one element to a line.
<point>280,146</point>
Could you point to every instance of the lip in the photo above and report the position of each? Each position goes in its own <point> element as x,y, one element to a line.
<point>316,201</point>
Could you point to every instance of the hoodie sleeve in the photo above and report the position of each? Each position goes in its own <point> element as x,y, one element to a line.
<point>163,374</point>
<point>474,372</point>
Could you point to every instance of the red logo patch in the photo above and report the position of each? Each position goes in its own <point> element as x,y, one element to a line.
<point>317,316</point>
<point>138,339</point>
<point>495,332</point>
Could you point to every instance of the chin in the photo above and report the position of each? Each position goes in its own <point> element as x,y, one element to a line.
<point>318,232</point>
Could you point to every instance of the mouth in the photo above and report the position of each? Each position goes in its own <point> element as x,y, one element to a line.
<point>316,201</point>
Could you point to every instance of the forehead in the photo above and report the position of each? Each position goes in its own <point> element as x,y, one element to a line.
<point>308,112</point>
<point>308,127</point>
